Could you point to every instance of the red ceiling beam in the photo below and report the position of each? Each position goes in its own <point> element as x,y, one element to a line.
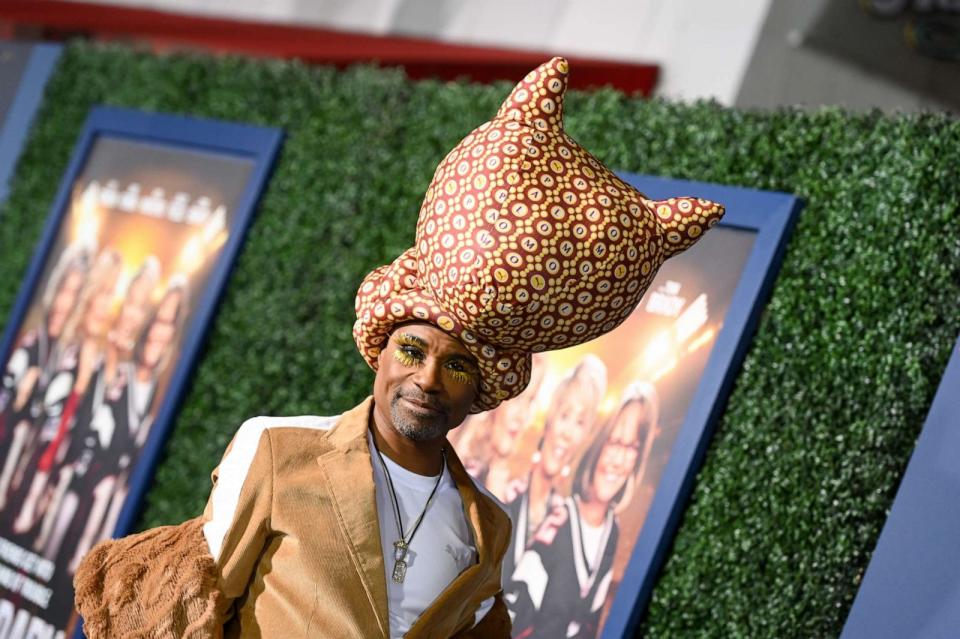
<point>421,58</point>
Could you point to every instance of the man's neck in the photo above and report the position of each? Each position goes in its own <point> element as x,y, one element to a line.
<point>422,458</point>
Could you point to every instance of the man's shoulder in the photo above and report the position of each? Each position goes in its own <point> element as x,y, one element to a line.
<point>496,502</point>
<point>302,434</point>
<point>255,426</point>
<point>499,514</point>
<point>284,433</point>
<point>471,481</point>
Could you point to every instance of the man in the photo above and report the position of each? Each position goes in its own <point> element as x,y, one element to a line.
<point>366,524</point>
<point>282,479</point>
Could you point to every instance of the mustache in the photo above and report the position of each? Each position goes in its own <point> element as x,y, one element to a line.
<point>421,398</point>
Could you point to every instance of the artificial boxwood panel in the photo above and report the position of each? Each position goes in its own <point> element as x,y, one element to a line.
<point>832,394</point>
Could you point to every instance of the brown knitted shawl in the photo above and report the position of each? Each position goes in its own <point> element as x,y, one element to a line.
<point>158,584</point>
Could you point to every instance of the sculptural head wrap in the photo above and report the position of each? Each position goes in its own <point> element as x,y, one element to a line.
<point>525,243</point>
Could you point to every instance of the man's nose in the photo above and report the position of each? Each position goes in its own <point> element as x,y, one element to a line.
<point>429,376</point>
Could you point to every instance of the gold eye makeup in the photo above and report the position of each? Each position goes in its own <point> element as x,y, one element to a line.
<point>409,350</point>
<point>461,374</point>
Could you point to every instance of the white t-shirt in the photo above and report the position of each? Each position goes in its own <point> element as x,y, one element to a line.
<point>442,548</point>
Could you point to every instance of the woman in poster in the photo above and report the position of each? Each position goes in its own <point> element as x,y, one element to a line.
<point>120,341</point>
<point>488,444</point>
<point>570,419</point>
<point>66,399</point>
<point>30,366</point>
<point>562,581</point>
<point>99,486</point>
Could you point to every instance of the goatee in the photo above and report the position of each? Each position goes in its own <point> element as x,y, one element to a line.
<point>418,428</point>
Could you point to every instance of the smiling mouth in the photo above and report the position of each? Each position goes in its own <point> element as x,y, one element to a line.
<point>422,407</point>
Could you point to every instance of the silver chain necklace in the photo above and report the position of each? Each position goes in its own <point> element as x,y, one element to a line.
<point>402,545</point>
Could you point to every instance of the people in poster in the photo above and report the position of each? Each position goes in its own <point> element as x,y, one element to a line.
<point>30,367</point>
<point>66,400</point>
<point>96,413</point>
<point>118,430</point>
<point>118,350</point>
<point>561,582</point>
<point>570,420</point>
<point>90,371</point>
<point>488,440</point>
<point>94,354</point>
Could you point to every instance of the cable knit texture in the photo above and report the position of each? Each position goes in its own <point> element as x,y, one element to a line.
<point>168,568</point>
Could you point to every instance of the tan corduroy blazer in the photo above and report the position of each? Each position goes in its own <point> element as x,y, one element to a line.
<point>294,551</point>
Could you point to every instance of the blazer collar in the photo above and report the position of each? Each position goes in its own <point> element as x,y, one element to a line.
<point>351,431</point>
<point>349,474</point>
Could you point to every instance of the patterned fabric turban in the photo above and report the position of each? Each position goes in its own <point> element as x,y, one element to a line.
<point>525,243</point>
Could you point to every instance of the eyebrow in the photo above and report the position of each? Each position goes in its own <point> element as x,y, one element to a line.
<point>419,341</point>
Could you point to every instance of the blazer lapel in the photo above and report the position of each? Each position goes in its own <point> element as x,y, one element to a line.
<point>349,474</point>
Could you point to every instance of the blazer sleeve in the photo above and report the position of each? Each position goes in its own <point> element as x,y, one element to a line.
<point>180,581</point>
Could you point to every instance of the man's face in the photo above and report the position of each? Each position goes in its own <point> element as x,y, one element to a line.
<point>428,380</point>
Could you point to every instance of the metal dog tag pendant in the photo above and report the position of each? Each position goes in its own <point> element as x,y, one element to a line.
<point>399,571</point>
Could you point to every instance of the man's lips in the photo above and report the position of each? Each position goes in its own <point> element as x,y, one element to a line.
<point>422,406</point>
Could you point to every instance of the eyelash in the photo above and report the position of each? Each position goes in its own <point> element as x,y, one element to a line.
<point>462,377</point>
<point>411,355</point>
<point>408,355</point>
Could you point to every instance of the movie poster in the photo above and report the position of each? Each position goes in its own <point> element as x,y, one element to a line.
<point>92,361</point>
<point>577,457</point>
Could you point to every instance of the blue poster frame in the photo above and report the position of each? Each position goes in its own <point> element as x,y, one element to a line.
<point>772,216</point>
<point>911,587</point>
<point>29,94</point>
<point>257,144</point>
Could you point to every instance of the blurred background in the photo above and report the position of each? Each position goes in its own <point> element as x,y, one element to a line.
<point>897,55</point>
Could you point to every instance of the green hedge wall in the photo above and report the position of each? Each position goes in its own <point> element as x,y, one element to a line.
<point>833,392</point>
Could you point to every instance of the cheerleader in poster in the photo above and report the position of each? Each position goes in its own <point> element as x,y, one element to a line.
<point>563,579</point>
<point>33,361</point>
<point>571,418</point>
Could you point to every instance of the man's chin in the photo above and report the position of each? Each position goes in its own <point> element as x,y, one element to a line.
<point>417,434</point>
<point>418,429</point>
